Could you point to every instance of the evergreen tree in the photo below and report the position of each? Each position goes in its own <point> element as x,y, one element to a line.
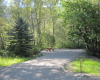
<point>21,38</point>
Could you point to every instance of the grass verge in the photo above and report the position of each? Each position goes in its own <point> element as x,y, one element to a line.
<point>88,66</point>
<point>6,61</point>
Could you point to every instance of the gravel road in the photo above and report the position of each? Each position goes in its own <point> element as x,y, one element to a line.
<point>47,67</point>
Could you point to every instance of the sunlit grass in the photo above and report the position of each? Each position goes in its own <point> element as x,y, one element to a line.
<point>88,66</point>
<point>6,61</point>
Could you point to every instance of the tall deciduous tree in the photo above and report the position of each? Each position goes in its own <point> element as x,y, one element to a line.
<point>83,16</point>
<point>3,26</point>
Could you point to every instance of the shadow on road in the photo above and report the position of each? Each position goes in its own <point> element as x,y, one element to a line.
<point>43,68</point>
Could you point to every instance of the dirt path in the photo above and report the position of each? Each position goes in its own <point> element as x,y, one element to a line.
<point>47,67</point>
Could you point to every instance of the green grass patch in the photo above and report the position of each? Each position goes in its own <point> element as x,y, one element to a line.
<point>88,66</point>
<point>6,61</point>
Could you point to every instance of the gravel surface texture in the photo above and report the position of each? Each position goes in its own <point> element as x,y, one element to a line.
<point>47,67</point>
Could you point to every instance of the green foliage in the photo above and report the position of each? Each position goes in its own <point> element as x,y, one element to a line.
<point>21,39</point>
<point>3,53</point>
<point>47,40</point>
<point>4,26</point>
<point>36,50</point>
<point>6,53</point>
<point>83,20</point>
<point>45,22</point>
<point>42,19</point>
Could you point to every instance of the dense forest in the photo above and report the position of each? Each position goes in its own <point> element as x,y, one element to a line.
<point>27,26</point>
